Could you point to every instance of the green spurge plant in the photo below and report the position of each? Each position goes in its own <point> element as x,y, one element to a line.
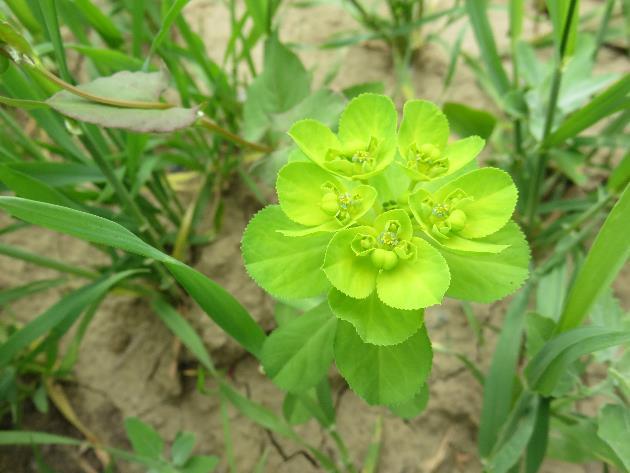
<point>386,222</point>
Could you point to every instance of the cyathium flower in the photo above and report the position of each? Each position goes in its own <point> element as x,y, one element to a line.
<point>365,145</point>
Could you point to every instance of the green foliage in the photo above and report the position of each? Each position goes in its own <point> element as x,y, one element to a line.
<point>386,254</point>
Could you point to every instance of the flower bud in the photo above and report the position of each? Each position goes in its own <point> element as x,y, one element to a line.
<point>384,259</point>
<point>457,219</point>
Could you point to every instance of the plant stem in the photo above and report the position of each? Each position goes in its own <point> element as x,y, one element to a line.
<point>343,451</point>
<point>102,100</point>
<point>212,126</point>
<point>540,164</point>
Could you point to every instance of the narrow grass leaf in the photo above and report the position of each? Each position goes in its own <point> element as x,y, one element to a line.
<point>515,435</point>
<point>612,100</point>
<point>182,330</point>
<point>547,368</point>
<point>537,446</point>
<point>68,307</point>
<point>605,259</point>
<point>477,12</point>
<point>499,384</point>
<point>9,295</point>
<point>167,22</point>
<point>221,306</point>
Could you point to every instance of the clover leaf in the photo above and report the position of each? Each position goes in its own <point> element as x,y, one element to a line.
<point>465,209</point>
<point>365,145</point>
<point>310,196</point>
<point>406,271</point>
<point>422,143</point>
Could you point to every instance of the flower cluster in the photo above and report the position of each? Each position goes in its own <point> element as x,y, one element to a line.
<point>387,220</point>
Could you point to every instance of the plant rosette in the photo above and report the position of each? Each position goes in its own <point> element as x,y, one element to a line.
<point>334,232</point>
<point>365,144</point>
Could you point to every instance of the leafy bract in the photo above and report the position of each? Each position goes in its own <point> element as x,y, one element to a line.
<point>466,209</point>
<point>129,86</point>
<point>310,196</point>
<point>366,143</point>
<point>375,322</point>
<point>407,272</point>
<point>487,277</point>
<point>286,267</point>
<point>383,374</point>
<point>422,143</point>
<point>298,354</point>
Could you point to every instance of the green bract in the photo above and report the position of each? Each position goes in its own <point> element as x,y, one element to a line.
<point>406,271</point>
<point>422,143</point>
<point>365,145</point>
<point>310,196</point>
<point>375,246</point>
<point>466,209</point>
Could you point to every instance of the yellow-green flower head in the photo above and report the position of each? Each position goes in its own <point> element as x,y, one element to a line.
<point>406,271</point>
<point>424,151</point>
<point>365,144</point>
<point>470,207</point>
<point>312,197</point>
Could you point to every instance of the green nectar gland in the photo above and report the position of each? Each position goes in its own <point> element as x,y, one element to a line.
<point>446,217</point>
<point>341,205</point>
<point>360,161</point>
<point>426,161</point>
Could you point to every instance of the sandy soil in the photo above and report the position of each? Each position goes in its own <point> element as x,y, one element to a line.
<point>129,361</point>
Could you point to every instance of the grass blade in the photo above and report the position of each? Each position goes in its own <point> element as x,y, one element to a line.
<point>182,330</point>
<point>550,363</point>
<point>499,384</point>
<point>220,305</point>
<point>67,307</point>
<point>34,287</point>
<point>613,99</point>
<point>605,259</point>
<point>477,12</point>
<point>167,22</point>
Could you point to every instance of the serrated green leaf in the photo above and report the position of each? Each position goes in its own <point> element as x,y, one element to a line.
<point>383,374</point>
<point>270,257</point>
<point>414,407</point>
<point>375,322</point>
<point>297,355</point>
<point>487,277</point>
<point>415,284</point>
